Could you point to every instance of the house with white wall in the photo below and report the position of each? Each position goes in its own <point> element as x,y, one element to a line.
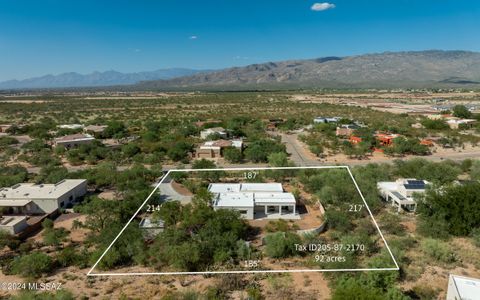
<point>37,199</point>
<point>220,132</point>
<point>401,192</point>
<point>463,288</point>
<point>255,200</point>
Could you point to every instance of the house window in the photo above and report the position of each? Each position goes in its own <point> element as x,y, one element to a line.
<point>62,204</point>
<point>243,212</point>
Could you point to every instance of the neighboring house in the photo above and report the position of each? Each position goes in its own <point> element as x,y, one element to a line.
<point>354,140</point>
<point>5,127</point>
<point>463,288</point>
<point>13,224</point>
<point>214,149</point>
<point>95,130</point>
<point>70,126</point>
<point>400,193</point>
<point>34,199</point>
<point>74,140</point>
<point>385,139</point>
<point>151,228</point>
<point>455,123</point>
<point>254,200</point>
<point>272,124</point>
<point>219,131</point>
<point>346,130</point>
<point>326,120</point>
<point>203,123</point>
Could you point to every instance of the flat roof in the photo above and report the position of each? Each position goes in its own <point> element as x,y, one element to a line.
<point>74,138</point>
<point>25,191</point>
<point>387,185</point>
<point>235,200</point>
<point>468,288</point>
<point>10,203</point>
<point>11,220</point>
<point>224,187</point>
<point>281,198</point>
<point>245,187</point>
<point>261,187</point>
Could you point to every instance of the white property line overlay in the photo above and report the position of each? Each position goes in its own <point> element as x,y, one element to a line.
<point>397,268</point>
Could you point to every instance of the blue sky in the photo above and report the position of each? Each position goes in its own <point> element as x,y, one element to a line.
<point>40,37</point>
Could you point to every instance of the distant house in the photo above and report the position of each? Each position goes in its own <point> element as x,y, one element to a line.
<point>318,120</point>
<point>95,130</point>
<point>203,123</point>
<point>463,288</point>
<point>74,140</point>
<point>385,139</point>
<point>254,200</point>
<point>355,140</point>
<point>400,193</point>
<point>427,142</point>
<point>455,123</point>
<point>151,228</point>
<point>346,129</point>
<point>37,199</point>
<point>272,124</point>
<point>5,127</point>
<point>219,131</point>
<point>214,149</point>
<point>13,224</point>
<point>70,126</point>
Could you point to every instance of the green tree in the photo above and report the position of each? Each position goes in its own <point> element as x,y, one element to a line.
<point>461,111</point>
<point>355,290</point>
<point>281,244</point>
<point>456,206</point>
<point>233,155</point>
<point>32,265</point>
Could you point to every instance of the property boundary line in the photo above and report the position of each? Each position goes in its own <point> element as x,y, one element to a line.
<point>397,268</point>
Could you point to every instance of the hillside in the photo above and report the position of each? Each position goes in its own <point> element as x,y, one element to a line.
<point>431,68</point>
<point>94,79</point>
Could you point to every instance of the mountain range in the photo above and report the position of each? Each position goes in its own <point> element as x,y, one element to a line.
<point>95,79</point>
<point>409,69</point>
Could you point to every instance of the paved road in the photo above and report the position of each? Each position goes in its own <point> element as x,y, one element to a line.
<point>296,151</point>
<point>168,193</point>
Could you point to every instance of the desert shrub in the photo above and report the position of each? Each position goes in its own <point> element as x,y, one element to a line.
<point>32,265</point>
<point>455,209</point>
<point>438,250</point>
<point>338,220</point>
<point>277,225</point>
<point>424,292</point>
<point>390,223</point>
<point>476,236</point>
<point>281,244</point>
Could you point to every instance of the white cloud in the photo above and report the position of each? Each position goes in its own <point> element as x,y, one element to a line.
<point>322,6</point>
<point>193,37</point>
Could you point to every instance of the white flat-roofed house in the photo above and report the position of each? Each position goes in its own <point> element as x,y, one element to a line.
<point>400,193</point>
<point>219,131</point>
<point>31,199</point>
<point>95,130</point>
<point>254,200</point>
<point>456,123</point>
<point>463,288</point>
<point>318,120</point>
<point>74,140</point>
<point>13,224</point>
<point>71,126</point>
